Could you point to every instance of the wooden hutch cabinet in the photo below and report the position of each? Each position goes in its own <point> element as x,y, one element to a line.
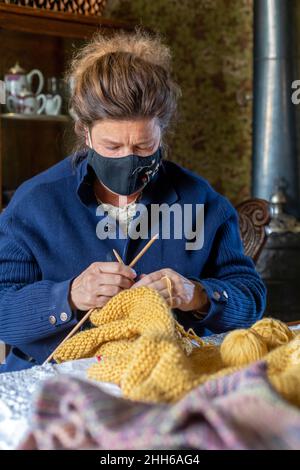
<point>44,40</point>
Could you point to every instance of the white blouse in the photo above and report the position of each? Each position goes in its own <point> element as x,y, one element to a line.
<point>123,215</point>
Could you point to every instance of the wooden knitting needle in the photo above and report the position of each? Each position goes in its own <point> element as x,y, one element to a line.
<point>86,316</point>
<point>140,254</point>
<point>76,327</point>
<point>118,256</point>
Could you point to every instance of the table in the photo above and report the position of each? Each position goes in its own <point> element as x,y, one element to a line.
<point>18,389</point>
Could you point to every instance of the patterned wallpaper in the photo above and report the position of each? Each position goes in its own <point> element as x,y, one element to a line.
<point>212,51</point>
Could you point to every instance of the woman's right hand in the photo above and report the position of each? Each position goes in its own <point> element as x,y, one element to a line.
<point>95,286</point>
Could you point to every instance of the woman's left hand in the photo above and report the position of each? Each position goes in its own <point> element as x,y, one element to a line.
<point>186,295</point>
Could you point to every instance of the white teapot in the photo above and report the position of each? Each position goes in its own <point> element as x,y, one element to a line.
<point>17,79</point>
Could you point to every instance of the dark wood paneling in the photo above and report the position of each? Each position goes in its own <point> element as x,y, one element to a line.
<point>30,147</point>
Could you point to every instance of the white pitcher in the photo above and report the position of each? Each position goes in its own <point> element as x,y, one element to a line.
<point>53,105</point>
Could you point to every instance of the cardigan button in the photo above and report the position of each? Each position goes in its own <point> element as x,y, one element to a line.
<point>63,316</point>
<point>225,294</point>
<point>52,319</point>
<point>216,295</point>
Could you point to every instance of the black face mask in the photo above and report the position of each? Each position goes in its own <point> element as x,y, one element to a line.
<point>125,175</point>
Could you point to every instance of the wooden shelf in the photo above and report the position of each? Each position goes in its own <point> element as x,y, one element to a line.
<point>47,22</point>
<point>36,117</point>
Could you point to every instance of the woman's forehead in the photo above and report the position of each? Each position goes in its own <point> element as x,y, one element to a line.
<point>114,131</point>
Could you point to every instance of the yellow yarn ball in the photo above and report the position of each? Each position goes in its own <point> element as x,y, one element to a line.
<point>241,347</point>
<point>274,332</point>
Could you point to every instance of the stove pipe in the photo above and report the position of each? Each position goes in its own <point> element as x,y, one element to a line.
<point>276,128</point>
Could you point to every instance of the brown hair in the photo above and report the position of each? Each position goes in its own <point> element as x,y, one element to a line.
<point>124,76</point>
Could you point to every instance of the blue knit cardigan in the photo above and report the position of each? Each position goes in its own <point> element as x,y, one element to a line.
<point>48,237</point>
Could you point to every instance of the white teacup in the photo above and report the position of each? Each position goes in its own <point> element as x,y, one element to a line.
<point>35,104</point>
<point>28,104</point>
<point>53,105</point>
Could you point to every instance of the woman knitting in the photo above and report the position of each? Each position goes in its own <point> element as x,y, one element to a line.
<point>59,231</point>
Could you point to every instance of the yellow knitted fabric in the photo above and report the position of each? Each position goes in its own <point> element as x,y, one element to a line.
<point>123,319</point>
<point>152,359</point>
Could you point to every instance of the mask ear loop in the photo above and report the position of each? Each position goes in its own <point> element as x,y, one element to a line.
<point>89,138</point>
